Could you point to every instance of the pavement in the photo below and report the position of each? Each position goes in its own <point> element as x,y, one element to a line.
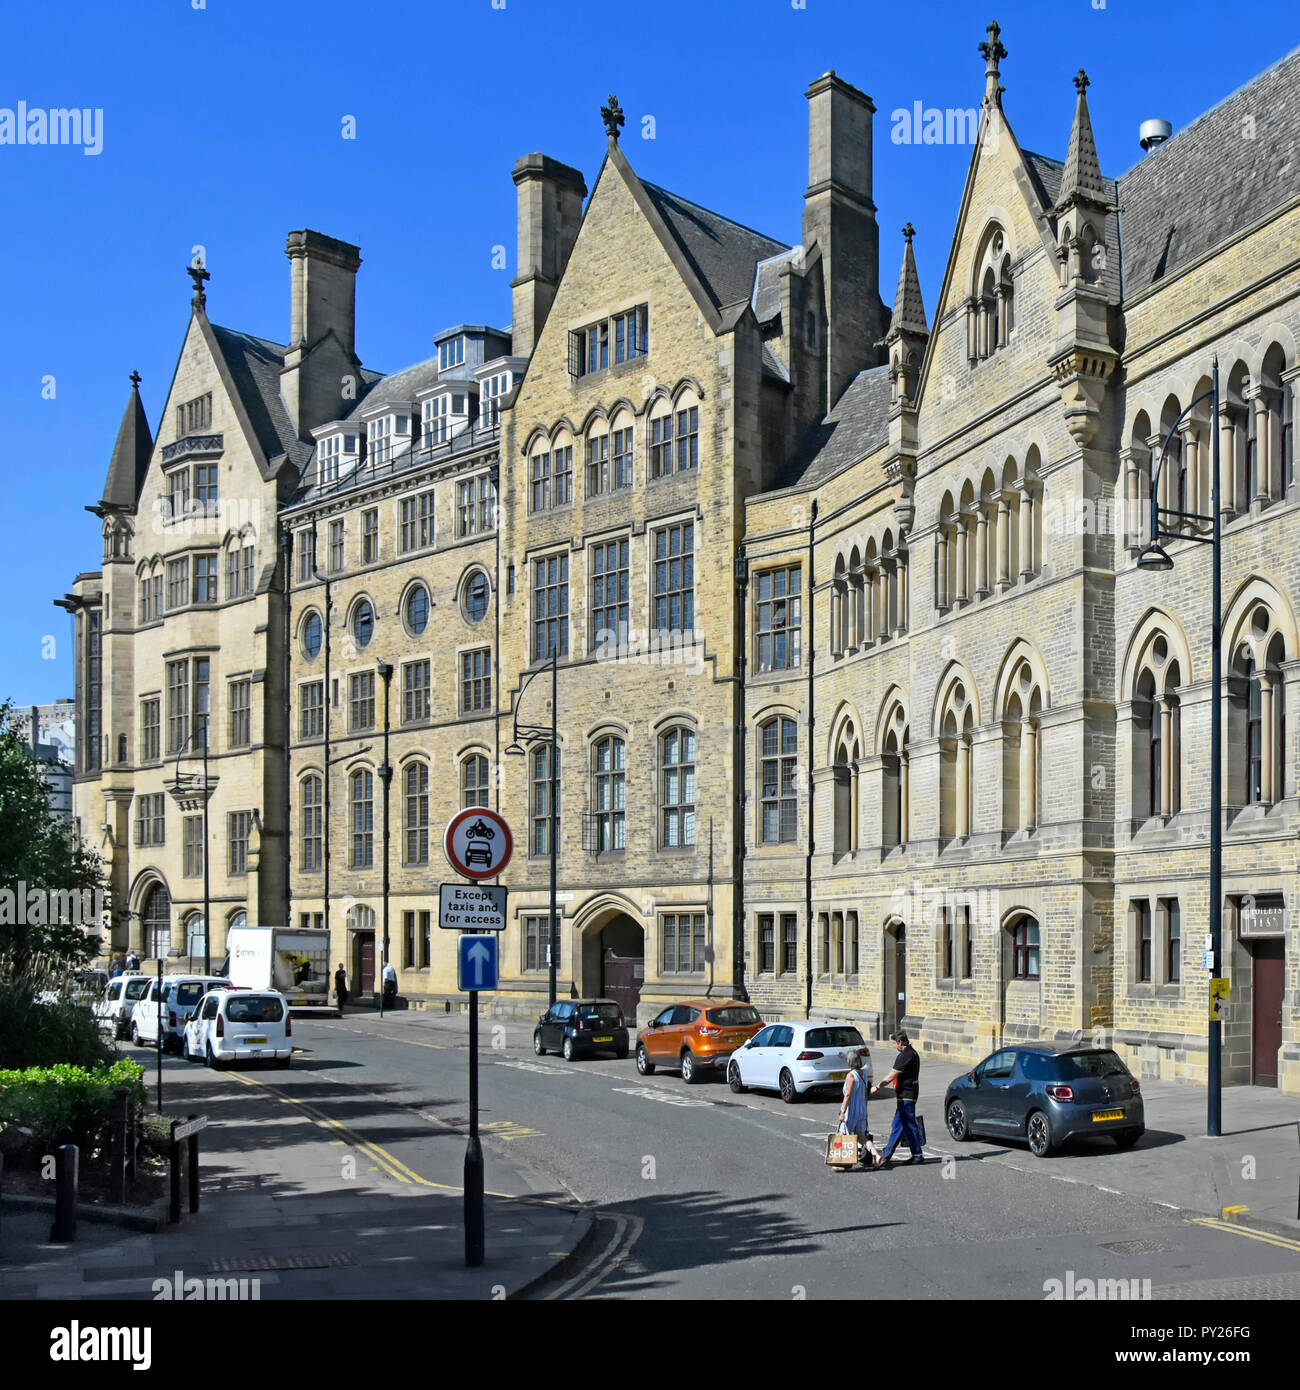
<point>300,1203</point>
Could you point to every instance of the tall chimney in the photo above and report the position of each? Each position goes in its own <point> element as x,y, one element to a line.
<point>550,213</point>
<point>323,277</point>
<point>840,217</point>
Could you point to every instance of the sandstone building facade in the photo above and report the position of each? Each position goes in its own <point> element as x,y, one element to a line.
<point>864,705</point>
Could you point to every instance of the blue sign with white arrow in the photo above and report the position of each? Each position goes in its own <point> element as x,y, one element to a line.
<point>477,960</point>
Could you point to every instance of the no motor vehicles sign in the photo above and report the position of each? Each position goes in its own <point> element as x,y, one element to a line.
<point>477,843</point>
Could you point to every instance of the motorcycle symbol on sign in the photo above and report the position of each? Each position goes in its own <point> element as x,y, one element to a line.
<point>478,849</point>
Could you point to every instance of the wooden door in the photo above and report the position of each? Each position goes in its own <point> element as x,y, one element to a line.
<point>1266,1011</point>
<point>365,978</point>
<point>621,981</point>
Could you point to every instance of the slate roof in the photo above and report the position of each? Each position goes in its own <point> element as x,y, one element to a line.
<point>131,455</point>
<point>721,252</point>
<point>1049,173</point>
<point>1210,180</point>
<point>398,386</point>
<point>857,422</point>
<point>766,296</point>
<point>255,365</point>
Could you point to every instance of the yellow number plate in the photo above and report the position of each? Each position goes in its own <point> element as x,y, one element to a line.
<point>1107,1115</point>
<point>262,1041</point>
<point>609,1039</point>
<point>837,1076</point>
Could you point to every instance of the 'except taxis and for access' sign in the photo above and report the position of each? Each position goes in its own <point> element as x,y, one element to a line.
<point>472,907</point>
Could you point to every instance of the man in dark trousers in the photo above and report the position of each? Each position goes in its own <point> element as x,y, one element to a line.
<point>906,1077</point>
<point>341,986</point>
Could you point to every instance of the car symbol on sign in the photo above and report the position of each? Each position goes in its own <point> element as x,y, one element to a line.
<point>478,852</point>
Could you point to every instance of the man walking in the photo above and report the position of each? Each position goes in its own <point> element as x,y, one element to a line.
<point>341,986</point>
<point>906,1077</point>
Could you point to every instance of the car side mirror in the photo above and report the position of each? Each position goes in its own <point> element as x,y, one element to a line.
<point>974,1078</point>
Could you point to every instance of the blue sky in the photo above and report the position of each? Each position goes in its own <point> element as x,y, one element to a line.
<point>222,128</point>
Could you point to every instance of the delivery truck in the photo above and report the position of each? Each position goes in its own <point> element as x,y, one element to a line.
<point>293,960</point>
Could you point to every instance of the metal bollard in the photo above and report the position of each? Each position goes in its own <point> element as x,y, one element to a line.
<point>120,1143</point>
<point>174,1167</point>
<point>192,1162</point>
<point>66,1163</point>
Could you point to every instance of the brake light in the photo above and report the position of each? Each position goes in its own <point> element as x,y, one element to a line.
<point>221,1026</point>
<point>809,1056</point>
<point>706,1031</point>
<point>1133,1085</point>
<point>171,1019</point>
<point>621,1024</point>
<point>288,1025</point>
<point>1061,1092</point>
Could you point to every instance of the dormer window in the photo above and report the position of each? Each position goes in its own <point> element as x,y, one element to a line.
<point>490,393</point>
<point>626,337</point>
<point>379,439</point>
<point>444,416</point>
<point>330,449</point>
<point>451,353</point>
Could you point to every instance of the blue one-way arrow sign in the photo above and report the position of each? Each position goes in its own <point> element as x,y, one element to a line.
<point>478,962</point>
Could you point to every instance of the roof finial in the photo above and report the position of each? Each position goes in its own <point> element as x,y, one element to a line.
<point>1081,83</point>
<point>993,50</point>
<point>613,117</point>
<point>908,233</point>
<point>198,274</point>
<point>136,379</point>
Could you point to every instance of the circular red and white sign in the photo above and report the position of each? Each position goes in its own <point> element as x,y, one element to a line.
<point>477,843</point>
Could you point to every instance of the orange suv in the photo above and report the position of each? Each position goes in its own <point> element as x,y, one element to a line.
<point>695,1035</point>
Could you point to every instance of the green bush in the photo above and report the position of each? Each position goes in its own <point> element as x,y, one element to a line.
<point>37,1034</point>
<point>69,1105</point>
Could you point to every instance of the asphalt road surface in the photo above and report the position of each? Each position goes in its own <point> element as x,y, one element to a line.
<point>705,1194</point>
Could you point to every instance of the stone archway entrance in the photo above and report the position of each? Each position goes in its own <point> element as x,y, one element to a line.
<point>895,976</point>
<point>156,923</point>
<point>613,961</point>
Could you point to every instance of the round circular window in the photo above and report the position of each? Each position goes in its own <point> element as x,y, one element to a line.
<point>417,610</point>
<point>312,635</point>
<point>363,623</point>
<point>476,594</point>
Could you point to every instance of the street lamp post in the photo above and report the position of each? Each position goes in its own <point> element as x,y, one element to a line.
<point>189,793</point>
<point>386,776</point>
<point>534,735</point>
<point>1193,526</point>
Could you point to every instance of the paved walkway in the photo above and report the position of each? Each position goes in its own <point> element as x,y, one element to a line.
<point>281,1204</point>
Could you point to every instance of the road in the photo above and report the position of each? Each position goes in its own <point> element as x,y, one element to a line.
<point>706,1194</point>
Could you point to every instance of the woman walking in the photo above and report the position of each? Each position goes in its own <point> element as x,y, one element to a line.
<point>853,1111</point>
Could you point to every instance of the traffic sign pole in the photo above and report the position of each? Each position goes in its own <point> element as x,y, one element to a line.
<point>473,1151</point>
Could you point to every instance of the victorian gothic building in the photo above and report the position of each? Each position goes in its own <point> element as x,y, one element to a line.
<point>864,707</point>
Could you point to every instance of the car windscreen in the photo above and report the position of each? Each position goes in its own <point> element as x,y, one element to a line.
<point>136,989</point>
<point>188,993</point>
<point>254,1008</point>
<point>733,1017</point>
<point>1081,1064</point>
<point>604,1013</point>
<point>833,1037</point>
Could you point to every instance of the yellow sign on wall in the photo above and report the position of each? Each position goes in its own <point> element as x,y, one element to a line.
<point>1219,994</point>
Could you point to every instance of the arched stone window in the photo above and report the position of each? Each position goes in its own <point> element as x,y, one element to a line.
<point>895,797</point>
<point>778,753</point>
<point>1157,733</point>
<point>1256,734</point>
<point>990,311</point>
<point>609,793</point>
<point>310,823</point>
<point>361,801</point>
<point>415,818</point>
<point>956,729</point>
<point>845,804</point>
<point>1022,778</point>
<point>474,781</point>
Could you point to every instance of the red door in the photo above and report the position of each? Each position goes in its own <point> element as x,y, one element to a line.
<point>1266,1011</point>
<point>365,982</point>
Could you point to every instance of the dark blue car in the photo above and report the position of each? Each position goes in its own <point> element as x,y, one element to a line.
<point>578,1027</point>
<point>1047,1095</point>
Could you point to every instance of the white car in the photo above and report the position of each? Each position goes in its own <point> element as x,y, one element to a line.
<point>240,1025</point>
<point>179,993</point>
<point>124,992</point>
<point>796,1057</point>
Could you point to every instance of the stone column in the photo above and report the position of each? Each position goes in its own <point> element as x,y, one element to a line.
<point>837,646</point>
<point>904,816</point>
<point>1028,773</point>
<point>869,606</point>
<point>1004,542</point>
<point>941,569</point>
<point>1266,739</point>
<point>1166,716</point>
<point>1003,327</point>
<point>1287,407</point>
<point>1128,495</point>
<point>982,551</point>
<point>1026,533</point>
<point>972,331</point>
<point>1191,436</point>
<point>852,596</point>
<point>983,328</point>
<point>1227,461</point>
<point>854,805</point>
<point>961,595</point>
<point>1263,461</point>
<point>904,598</point>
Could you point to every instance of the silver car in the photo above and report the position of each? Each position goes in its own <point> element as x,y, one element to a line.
<point>794,1058</point>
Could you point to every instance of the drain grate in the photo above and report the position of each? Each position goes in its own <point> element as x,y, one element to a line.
<point>1135,1247</point>
<point>261,1264</point>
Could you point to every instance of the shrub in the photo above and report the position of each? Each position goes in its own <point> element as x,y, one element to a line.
<point>67,1104</point>
<point>36,1033</point>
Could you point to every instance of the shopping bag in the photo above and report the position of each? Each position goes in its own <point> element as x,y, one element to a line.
<point>920,1125</point>
<point>841,1150</point>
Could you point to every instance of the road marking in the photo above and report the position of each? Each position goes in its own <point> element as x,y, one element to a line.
<point>535,1066</point>
<point>1234,1228</point>
<point>668,1098</point>
<point>508,1130</point>
<point>627,1231</point>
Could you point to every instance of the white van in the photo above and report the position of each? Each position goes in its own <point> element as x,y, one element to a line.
<point>124,992</point>
<point>179,993</point>
<point>240,1025</point>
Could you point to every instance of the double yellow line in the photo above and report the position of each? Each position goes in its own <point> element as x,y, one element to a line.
<point>1236,1229</point>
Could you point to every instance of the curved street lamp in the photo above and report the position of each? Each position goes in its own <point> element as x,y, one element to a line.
<point>1208,531</point>
<point>192,792</point>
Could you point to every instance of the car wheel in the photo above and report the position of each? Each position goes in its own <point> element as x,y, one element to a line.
<point>690,1068</point>
<point>734,1081</point>
<point>958,1121</point>
<point>643,1063</point>
<point>135,1037</point>
<point>567,1050</point>
<point>537,1043</point>
<point>1127,1138</point>
<point>283,1062</point>
<point>1039,1132</point>
<point>789,1091</point>
<point>621,1053</point>
<point>211,1059</point>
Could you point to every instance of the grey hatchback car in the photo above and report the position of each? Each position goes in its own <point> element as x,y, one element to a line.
<point>1047,1095</point>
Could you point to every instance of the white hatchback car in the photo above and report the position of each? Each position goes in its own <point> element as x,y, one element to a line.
<point>124,992</point>
<point>240,1025</point>
<point>180,993</point>
<point>796,1057</point>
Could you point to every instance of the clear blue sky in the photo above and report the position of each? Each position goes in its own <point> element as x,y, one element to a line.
<point>222,128</point>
